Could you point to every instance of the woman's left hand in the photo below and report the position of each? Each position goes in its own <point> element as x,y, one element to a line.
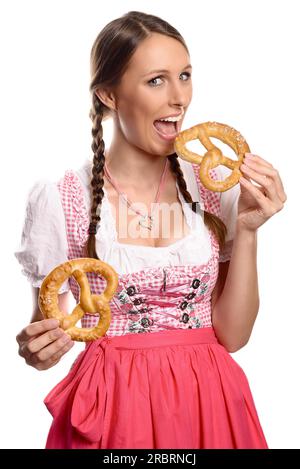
<point>259,203</point>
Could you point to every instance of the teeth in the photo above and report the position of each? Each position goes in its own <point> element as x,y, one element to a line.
<point>172,119</point>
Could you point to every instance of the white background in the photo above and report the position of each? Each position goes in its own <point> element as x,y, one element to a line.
<point>245,57</point>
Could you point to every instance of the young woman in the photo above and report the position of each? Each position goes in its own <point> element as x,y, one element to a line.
<point>163,376</point>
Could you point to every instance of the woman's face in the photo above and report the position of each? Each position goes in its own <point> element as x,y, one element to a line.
<point>157,84</point>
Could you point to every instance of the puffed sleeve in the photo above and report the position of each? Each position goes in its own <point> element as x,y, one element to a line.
<point>228,213</point>
<point>43,242</point>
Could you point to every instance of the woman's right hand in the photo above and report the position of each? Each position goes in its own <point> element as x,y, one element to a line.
<point>43,343</point>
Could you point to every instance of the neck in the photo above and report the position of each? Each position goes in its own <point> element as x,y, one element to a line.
<point>131,166</point>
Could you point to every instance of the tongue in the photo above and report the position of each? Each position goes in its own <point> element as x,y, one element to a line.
<point>168,128</point>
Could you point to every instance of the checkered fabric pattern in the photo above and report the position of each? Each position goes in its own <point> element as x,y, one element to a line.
<point>153,299</point>
<point>212,204</point>
<point>211,199</point>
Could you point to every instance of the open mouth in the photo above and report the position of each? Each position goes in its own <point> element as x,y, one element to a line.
<point>166,129</point>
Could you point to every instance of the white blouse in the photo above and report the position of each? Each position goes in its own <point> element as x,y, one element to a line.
<point>44,241</point>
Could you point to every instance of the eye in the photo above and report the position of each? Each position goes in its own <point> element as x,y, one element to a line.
<point>153,81</point>
<point>187,74</point>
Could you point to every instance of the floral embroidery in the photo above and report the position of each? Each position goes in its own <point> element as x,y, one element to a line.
<point>196,322</point>
<point>193,321</point>
<point>123,297</point>
<point>190,307</point>
<point>140,326</point>
<point>135,327</point>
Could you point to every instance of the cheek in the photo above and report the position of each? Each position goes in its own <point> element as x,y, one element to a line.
<point>132,124</point>
<point>136,118</point>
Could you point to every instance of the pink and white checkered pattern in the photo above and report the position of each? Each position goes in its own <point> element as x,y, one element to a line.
<point>149,300</point>
<point>211,199</point>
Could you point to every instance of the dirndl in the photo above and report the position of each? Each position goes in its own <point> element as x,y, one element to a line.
<point>169,389</point>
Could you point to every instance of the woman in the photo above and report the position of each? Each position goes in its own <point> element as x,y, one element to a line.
<point>163,376</point>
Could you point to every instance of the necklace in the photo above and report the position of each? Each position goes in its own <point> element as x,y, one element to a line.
<point>143,217</point>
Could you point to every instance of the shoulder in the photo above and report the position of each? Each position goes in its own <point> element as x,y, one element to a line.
<point>42,195</point>
<point>46,196</point>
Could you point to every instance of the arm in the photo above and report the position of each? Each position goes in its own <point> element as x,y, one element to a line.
<point>43,246</point>
<point>223,271</point>
<point>235,310</point>
<point>235,306</point>
<point>63,302</point>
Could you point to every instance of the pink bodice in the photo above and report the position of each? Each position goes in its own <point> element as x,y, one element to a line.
<point>153,299</point>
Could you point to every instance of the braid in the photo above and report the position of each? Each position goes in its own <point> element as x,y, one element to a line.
<point>213,223</point>
<point>97,182</point>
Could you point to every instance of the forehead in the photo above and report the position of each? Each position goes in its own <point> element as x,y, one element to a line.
<point>158,52</point>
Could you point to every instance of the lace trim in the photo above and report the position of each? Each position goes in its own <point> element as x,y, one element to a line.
<point>80,216</point>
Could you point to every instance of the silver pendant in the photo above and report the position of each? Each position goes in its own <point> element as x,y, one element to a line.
<point>142,222</point>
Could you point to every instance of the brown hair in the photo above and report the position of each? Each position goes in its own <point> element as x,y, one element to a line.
<point>110,54</point>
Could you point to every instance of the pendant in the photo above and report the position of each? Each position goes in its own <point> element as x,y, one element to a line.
<point>148,226</point>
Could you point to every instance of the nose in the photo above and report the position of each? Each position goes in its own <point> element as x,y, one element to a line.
<point>180,94</point>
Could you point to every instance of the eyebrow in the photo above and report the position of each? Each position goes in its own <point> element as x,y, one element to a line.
<point>164,71</point>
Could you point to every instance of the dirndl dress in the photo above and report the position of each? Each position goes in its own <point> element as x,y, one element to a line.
<point>159,378</point>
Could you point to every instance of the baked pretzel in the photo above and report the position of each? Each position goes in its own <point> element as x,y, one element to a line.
<point>92,304</point>
<point>214,156</point>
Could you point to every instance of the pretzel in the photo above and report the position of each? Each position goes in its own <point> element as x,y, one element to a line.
<point>92,304</point>
<point>214,156</point>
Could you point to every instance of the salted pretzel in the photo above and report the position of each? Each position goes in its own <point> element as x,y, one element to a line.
<point>214,156</point>
<point>92,304</point>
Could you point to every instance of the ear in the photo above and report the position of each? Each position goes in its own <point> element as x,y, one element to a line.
<point>107,97</point>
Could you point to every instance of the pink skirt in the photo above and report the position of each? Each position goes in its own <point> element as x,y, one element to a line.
<point>171,389</point>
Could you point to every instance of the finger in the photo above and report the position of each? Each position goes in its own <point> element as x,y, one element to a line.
<point>258,159</point>
<point>270,172</point>
<point>51,351</point>
<point>267,183</point>
<point>55,358</point>
<point>43,340</point>
<point>267,207</point>
<point>33,345</point>
<point>36,328</point>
